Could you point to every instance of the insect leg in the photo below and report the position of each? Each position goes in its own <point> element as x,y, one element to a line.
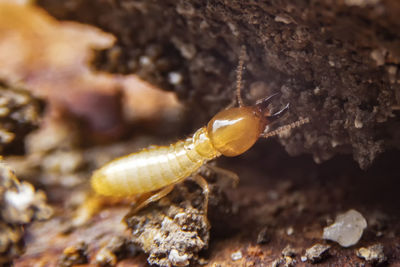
<point>87,210</point>
<point>154,197</point>
<point>225,173</point>
<point>93,204</point>
<point>204,185</point>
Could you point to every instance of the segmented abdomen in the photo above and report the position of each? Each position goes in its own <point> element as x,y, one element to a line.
<point>152,169</point>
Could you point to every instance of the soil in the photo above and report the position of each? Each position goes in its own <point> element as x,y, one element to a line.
<point>287,200</point>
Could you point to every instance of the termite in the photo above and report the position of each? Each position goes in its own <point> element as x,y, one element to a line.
<point>230,132</point>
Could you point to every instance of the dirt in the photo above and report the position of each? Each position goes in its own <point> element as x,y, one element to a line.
<point>294,194</point>
<point>287,200</point>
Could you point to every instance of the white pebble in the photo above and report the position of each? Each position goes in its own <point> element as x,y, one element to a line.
<point>290,231</point>
<point>174,78</point>
<point>283,18</point>
<point>358,123</point>
<point>347,228</point>
<point>144,60</point>
<point>236,255</point>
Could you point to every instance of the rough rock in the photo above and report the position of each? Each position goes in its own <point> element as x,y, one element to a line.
<point>264,236</point>
<point>289,251</point>
<point>174,230</point>
<point>19,115</point>
<point>20,204</point>
<point>74,255</point>
<point>373,254</point>
<point>335,62</point>
<point>118,247</point>
<point>316,253</point>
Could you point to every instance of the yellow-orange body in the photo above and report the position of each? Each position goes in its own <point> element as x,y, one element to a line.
<point>231,132</point>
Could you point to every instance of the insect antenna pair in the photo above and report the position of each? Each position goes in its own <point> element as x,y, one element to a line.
<point>265,102</point>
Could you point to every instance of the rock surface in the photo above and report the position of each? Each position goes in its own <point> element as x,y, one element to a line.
<point>20,204</point>
<point>19,115</point>
<point>334,62</point>
<point>175,230</point>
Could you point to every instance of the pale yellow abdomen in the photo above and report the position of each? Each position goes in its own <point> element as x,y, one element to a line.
<point>153,169</point>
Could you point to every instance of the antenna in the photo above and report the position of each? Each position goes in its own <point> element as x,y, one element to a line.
<point>286,127</point>
<point>239,73</point>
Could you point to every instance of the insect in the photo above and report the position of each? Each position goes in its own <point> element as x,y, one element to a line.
<point>230,132</point>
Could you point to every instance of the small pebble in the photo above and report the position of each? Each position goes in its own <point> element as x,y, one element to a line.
<point>105,257</point>
<point>288,261</point>
<point>74,255</point>
<point>347,228</point>
<point>289,251</point>
<point>144,61</point>
<point>283,18</point>
<point>373,254</point>
<point>263,236</point>
<point>290,231</point>
<point>236,255</point>
<point>316,253</point>
<point>174,78</point>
